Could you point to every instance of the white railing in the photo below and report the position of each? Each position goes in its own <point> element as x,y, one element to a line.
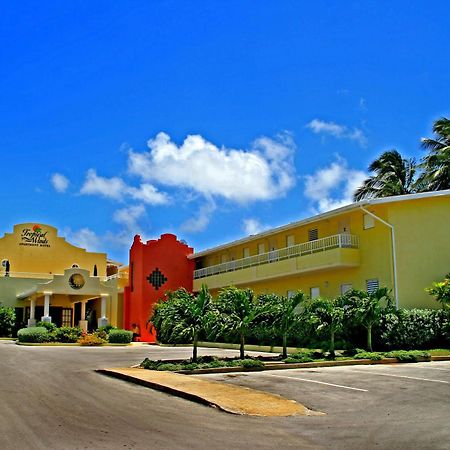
<point>318,245</point>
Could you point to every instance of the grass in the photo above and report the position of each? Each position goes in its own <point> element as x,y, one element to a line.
<point>439,352</point>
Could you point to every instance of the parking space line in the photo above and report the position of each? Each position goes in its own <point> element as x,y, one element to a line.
<point>401,376</point>
<point>315,381</point>
<point>437,368</point>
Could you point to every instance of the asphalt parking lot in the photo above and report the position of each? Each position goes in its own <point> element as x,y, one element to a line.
<point>383,406</point>
<point>51,398</point>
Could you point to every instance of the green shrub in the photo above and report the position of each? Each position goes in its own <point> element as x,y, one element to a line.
<point>374,356</point>
<point>407,356</point>
<point>33,335</point>
<point>298,359</point>
<point>170,367</point>
<point>150,364</point>
<point>7,320</point>
<point>217,363</point>
<point>120,336</point>
<point>49,326</point>
<point>415,329</point>
<point>67,334</point>
<point>190,366</point>
<point>106,328</point>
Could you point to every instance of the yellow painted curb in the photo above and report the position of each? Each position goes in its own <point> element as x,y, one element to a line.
<point>229,398</point>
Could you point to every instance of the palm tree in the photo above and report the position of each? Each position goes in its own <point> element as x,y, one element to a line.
<point>287,317</point>
<point>436,165</point>
<point>369,308</point>
<point>393,175</point>
<point>236,312</point>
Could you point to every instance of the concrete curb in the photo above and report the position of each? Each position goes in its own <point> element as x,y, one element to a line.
<point>229,398</point>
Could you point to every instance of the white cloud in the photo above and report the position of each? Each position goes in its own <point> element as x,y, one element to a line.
<point>333,186</point>
<point>266,171</point>
<point>201,220</point>
<point>59,182</point>
<point>85,238</point>
<point>253,226</point>
<point>129,216</point>
<point>318,126</point>
<point>115,188</point>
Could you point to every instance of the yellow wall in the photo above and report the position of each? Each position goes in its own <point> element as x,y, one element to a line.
<point>52,256</point>
<point>422,248</point>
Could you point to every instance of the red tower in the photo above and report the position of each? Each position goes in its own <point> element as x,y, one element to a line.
<point>155,267</point>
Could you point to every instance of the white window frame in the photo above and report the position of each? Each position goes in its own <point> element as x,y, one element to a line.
<point>314,292</point>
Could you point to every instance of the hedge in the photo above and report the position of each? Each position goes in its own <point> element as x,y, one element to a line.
<point>120,336</point>
<point>33,335</point>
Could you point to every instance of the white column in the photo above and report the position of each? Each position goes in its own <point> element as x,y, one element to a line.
<point>103,320</point>
<point>46,317</point>
<point>32,319</point>
<point>83,322</point>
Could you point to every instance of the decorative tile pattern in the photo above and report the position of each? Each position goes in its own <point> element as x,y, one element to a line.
<point>156,279</point>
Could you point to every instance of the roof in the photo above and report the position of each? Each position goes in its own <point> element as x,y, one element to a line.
<point>325,215</point>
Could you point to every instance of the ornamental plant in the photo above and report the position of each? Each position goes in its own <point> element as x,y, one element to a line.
<point>441,291</point>
<point>7,319</point>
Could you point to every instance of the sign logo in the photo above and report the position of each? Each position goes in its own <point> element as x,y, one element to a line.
<point>34,237</point>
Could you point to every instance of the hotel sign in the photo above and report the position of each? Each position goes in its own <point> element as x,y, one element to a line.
<point>34,237</point>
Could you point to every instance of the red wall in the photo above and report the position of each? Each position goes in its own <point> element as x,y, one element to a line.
<point>166,255</point>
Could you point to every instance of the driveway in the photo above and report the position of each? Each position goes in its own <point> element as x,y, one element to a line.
<point>51,398</point>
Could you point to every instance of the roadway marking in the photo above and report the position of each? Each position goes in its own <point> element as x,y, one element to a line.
<point>315,381</point>
<point>401,376</point>
<point>437,368</point>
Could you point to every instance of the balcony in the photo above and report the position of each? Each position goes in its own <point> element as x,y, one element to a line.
<point>340,250</point>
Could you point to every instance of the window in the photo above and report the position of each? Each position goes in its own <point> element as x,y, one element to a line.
<point>290,294</point>
<point>372,285</point>
<point>246,252</point>
<point>66,320</point>
<point>313,234</point>
<point>315,292</point>
<point>290,240</point>
<point>261,248</point>
<point>369,221</point>
<point>345,287</point>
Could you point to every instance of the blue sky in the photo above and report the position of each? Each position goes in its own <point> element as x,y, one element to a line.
<point>211,120</point>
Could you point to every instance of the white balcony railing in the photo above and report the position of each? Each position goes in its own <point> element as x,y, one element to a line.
<point>318,245</point>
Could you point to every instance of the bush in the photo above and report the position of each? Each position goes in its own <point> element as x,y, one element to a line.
<point>415,329</point>
<point>7,320</point>
<point>33,335</point>
<point>91,340</point>
<point>150,364</point>
<point>374,356</point>
<point>120,336</point>
<point>298,359</point>
<point>170,367</point>
<point>107,328</point>
<point>407,356</point>
<point>49,326</point>
<point>67,334</point>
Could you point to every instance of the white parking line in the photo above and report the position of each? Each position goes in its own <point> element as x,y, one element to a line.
<point>400,376</point>
<point>437,368</point>
<point>315,381</point>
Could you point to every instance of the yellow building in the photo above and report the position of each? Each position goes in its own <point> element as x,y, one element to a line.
<point>46,278</point>
<point>400,242</point>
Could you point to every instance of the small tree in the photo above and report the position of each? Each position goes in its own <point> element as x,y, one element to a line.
<point>235,313</point>
<point>328,316</point>
<point>7,319</point>
<point>287,316</point>
<point>182,316</point>
<point>441,291</point>
<point>369,309</point>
